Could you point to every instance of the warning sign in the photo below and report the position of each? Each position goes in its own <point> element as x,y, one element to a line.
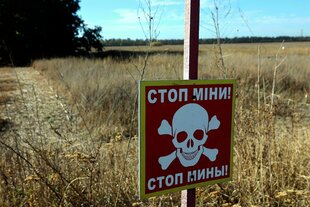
<point>185,134</point>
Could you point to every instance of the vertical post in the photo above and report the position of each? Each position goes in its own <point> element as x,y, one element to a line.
<point>191,39</point>
<point>190,68</point>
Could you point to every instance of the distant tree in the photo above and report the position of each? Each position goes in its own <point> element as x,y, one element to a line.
<point>32,29</point>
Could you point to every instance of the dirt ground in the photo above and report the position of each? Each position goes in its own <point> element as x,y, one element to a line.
<point>29,107</point>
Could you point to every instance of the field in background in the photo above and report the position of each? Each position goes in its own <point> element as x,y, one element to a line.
<point>272,135</point>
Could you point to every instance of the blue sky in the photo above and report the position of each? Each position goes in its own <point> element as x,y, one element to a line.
<point>120,18</point>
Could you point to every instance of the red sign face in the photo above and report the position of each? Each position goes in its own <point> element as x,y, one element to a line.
<point>185,134</point>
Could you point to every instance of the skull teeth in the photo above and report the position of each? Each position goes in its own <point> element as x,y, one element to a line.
<point>189,156</point>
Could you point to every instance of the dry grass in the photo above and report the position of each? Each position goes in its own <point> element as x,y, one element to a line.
<point>271,163</point>
<point>7,84</point>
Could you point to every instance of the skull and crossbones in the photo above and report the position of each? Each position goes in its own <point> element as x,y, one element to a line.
<point>190,125</point>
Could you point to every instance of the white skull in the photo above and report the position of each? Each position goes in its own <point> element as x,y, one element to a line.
<point>190,125</point>
<point>189,129</point>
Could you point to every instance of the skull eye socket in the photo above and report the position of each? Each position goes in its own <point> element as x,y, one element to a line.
<point>182,136</point>
<point>199,134</point>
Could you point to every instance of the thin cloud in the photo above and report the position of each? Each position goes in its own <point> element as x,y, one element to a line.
<point>206,4</point>
<point>175,16</point>
<point>126,16</point>
<point>282,19</point>
<point>165,3</point>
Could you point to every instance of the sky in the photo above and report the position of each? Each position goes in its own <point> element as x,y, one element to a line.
<point>236,18</point>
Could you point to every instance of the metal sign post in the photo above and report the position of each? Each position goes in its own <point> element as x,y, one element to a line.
<point>190,68</point>
<point>176,151</point>
<point>191,39</point>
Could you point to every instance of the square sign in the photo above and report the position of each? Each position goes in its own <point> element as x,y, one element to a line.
<point>185,134</point>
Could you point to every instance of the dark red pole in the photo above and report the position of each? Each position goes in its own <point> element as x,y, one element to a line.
<point>190,69</point>
<point>191,39</point>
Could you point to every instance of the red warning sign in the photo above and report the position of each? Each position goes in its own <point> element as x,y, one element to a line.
<point>185,134</point>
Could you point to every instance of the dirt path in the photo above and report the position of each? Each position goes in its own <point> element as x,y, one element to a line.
<point>43,148</point>
<point>30,108</point>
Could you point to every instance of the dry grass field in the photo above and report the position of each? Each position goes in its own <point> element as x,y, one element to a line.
<point>99,166</point>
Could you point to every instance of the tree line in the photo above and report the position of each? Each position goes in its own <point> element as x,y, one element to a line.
<point>141,42</point>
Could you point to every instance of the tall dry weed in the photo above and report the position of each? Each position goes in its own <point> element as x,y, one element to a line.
<point>271,158</point>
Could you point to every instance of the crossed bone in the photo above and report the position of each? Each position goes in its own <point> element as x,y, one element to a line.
<point>165,161</point>
<point>165,129</point>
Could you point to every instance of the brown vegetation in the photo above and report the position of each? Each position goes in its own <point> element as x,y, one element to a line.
<point>272,137</point>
